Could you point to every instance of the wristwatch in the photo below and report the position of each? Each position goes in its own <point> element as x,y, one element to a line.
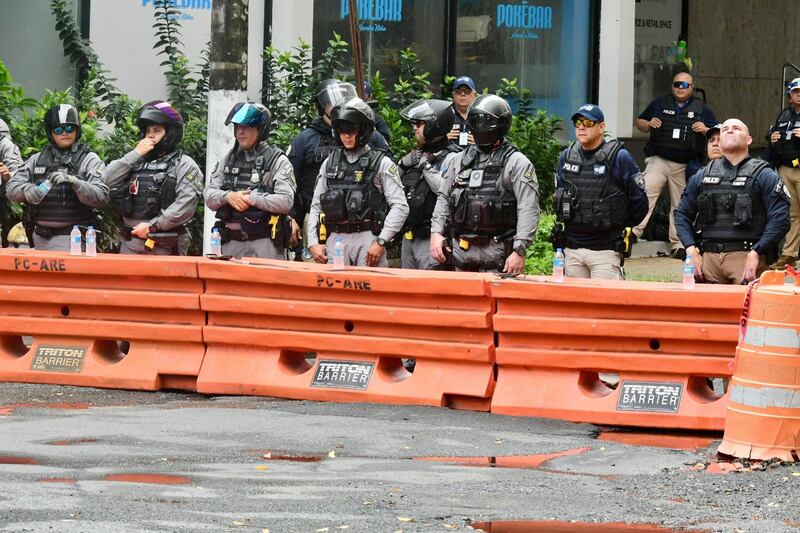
<point>521,249</point>
<point>381,241</point>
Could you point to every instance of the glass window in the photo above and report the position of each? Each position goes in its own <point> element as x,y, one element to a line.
<point>387,27</point>
<point>656,56</point>
<point>545,44</point>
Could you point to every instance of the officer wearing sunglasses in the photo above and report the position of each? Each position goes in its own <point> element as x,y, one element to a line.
<point>677,124</point>
<point>599,194</point>
<point>61,185</point>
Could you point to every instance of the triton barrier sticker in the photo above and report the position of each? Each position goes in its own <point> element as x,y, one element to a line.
<point>58,359</point>
<point>343,374</point>
<point>660,397</point>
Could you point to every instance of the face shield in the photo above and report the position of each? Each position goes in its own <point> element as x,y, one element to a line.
<point>336,94</point>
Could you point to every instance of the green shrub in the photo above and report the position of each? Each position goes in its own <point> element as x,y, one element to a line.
<point>539,257</point>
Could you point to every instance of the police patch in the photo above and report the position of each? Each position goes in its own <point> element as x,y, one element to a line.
<point>600,169</point>
<point>394,173</point>
<point>195,178</point>
<point>639,180</point>
<point>530,174</point>
<point>781,187</point>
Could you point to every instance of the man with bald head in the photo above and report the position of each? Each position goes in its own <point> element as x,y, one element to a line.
<point>734,211</point>
<point>677,124</point>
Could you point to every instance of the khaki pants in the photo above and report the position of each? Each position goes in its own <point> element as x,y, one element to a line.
<point>657,173</point>
<point>595,264</point>
<point>727,267</point>
<point>791,178</point>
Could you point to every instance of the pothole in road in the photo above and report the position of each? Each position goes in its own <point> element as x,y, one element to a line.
<point>507,461</point>
<point>158,479</point>
<point>531,526</point>
<point>657,439</point>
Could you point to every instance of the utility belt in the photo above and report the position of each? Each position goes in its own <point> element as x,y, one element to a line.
<point>357,227</point>
<point>49,233</point>
<point>238,235</point>
<point>721,247</point>
<point>465,240</point>
<point>167,239</point>
<point>421,232</point>
<point>275,227</point>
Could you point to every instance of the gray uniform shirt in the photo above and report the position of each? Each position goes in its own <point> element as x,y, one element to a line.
<point>386,179</point>
<point>9,152</point>
<point>282,175</point>
<point>188,188</point>
<point>518,176</point>
<point>90,188</point>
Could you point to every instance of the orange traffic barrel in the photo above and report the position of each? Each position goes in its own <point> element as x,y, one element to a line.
<point>763,415</point>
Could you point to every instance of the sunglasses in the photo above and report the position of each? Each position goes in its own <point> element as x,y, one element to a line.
<point>463,91</point>
<point>681,84</point>
<point>66,128</point>
<point>346,127</point>
<point>585,122</point>
<point>417,124</point>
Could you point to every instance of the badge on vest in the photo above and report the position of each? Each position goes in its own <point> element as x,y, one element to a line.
<point>711,180</point>
<point>600,169</point>
<point>359,175</point>
<point>690,114</point>
<point>254,177</point>
<point>476,178</point>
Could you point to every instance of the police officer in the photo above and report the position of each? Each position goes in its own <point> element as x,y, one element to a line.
<point>358,191</point>
<point>490,197</point>
<point>10,159</point>
<point>677,124</point>
<point>464,93</point>
<point>738,206</point>
<point>599,194</point>
<point>62,184</point>
<point>253,189</point>
<point>155,187</point>
<point>313,145</point>
<point>422,171</point>
<point>784,154</point>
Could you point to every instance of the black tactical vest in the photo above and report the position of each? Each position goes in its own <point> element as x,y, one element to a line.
<point>785,151</point>
<point>591,199</point>
<point>729,210</point>
<point>352,202</point>
<point>480,205</point>
<point>242,175</point>
<point>61,204</point>
<point>421,199</point>
<point>312,161</point>
<point>663,141</point>
<point>149,187</point>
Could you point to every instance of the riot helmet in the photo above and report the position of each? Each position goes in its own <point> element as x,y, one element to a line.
<point>436,114</point>
<point>251,114</point>
<point>62,114</point>
<point>331,93</point>
<point>489,119</point>
<point>163,114</point>
<point>353,115</point>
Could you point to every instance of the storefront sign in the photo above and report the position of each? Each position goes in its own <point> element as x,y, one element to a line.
<point>658,22</point>
<point>523,17</point>
<point>372,12</point>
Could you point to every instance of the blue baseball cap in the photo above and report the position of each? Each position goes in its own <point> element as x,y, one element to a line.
<point>464,80</point>
<point>794,84</point>
<point>590,111</point>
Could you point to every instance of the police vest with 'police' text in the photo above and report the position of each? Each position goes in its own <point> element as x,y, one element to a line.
<point>786,152</point>
<point>352,198</point>
<point>421,199</point>
<point>675,140</point>
<point>61,204</point>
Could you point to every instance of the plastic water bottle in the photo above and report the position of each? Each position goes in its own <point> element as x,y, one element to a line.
<point>307,257</point>
<point>45,186</point>
<point>75,241</point>
<point>338,253</point>
<point>558,266</point>
<point>216,242</point>
<point>91,242</point>
<point>688,273</point>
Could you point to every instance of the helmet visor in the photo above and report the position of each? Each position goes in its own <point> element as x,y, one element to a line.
<point>336,94</point>
<point>483,122</point>
<point>248,115</point>
<point>420,110</point>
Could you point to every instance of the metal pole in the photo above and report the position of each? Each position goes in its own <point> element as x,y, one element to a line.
<point>355,37</point>
<point>227,84</point>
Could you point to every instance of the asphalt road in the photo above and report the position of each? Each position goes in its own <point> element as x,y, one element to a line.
<point>89,460</point>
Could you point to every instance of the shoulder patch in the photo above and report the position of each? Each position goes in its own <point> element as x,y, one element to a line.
<point>394,173</point>
<point>781,187</point>
<point>195,177</point>
<point>530,174</point>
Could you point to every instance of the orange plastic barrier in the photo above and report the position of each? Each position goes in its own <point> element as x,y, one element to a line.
<point>268,319</point>
<point>763,419</point>
<point>556,342</point>
<point>78,310</point>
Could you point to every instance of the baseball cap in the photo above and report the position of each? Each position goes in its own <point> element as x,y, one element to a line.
<point>794,84</point>
<point>464,80</point>
<point>590,111</point>
<point>716,128</point>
